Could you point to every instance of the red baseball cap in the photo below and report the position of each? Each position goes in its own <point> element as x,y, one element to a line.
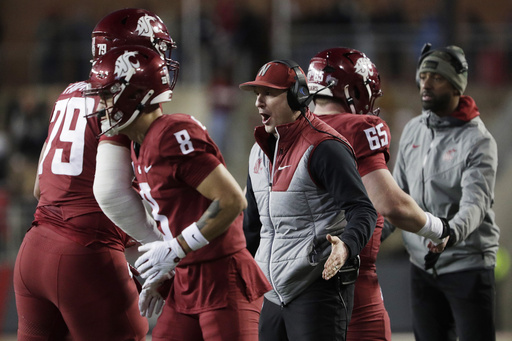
<point>272,75</point>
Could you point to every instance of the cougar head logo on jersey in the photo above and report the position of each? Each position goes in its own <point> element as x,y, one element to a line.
<point>145,27</point>
<point>364,67</point>
<point>123,63</point>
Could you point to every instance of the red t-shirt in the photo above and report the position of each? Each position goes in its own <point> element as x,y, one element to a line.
<point>370,137</point>
<point>66,173</point>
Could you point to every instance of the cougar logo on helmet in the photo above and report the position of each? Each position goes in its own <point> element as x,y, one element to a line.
<point>123,63</point>
<point>364,67</point>
<point>129,80</point>
<point>145,27</point>
<point>348,75</point>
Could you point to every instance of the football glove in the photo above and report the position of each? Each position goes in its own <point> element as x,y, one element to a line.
<point>152,297</point>
<point>431,259</point>
<point>160,258</point>
<point>150,301</point>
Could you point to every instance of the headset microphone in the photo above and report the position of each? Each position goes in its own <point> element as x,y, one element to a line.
<point>330,85</point>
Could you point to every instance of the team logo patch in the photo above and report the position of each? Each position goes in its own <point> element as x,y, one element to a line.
<point>430,64</point>
<point>263,70</point>
<point>448,156</point>
<point>257,166</point>
<point>124,63</point>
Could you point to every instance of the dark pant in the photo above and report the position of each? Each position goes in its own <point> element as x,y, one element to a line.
<point>457,304</point>
<point>321,312</point>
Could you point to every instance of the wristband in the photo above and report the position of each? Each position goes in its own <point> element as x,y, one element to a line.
<point>433,228</point>
<point>194,237</point>
<point>176,247</point>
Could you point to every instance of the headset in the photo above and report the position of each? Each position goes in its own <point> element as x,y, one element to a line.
<point>458,60</point>
<point>298,95</point>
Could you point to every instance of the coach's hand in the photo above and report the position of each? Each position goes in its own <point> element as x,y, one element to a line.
<point>337,258</point>
<point>160,258</point>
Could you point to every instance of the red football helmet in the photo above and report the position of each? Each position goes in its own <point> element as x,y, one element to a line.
<point>134,26</point>
<point>346,74</point>
<point>128,79</point>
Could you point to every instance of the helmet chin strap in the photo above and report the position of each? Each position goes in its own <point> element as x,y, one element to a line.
<point>350,100</point>
<point>114,130</point>
<point>124,84</point>
<point>367,85</point>
<point>138,110</point>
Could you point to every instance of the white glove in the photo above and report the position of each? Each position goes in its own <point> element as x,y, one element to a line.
<point>150,301</point>
<point>160,258</point>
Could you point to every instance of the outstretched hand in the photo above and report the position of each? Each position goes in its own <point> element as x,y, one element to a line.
<point>434,252</point>
<point>438,248</point>
<point>337,258</point>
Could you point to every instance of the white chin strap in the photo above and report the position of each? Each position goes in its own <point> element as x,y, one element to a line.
<point>137,111</point>
<point>114,130</point>
<point>350,100</point>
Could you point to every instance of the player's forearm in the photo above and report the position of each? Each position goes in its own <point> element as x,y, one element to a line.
<point>392,202</point>
<point>408,216</point>
<point>404,213</point>
<point>215,221</point>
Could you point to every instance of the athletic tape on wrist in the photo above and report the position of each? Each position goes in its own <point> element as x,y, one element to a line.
<point>194,237</point>
<point>433,229</point>
<point>176,247</point>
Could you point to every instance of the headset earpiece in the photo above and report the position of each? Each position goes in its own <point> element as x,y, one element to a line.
<point>298,95</point>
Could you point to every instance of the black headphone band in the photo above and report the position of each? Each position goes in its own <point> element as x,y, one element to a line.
<point>288,62</point>
<point>298,94</point>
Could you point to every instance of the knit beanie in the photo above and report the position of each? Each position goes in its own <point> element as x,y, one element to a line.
<point>444,62</point>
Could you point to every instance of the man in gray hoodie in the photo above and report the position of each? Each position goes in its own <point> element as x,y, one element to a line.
<point>447,162</point>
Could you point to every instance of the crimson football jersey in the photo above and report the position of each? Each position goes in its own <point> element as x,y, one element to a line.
<point>176,156</point>
<point>370,137</point>
<point>66,171</point>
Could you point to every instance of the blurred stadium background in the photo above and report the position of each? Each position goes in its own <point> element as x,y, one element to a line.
<point>45,44</point>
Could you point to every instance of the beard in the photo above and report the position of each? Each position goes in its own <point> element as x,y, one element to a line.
<point>437,104</point>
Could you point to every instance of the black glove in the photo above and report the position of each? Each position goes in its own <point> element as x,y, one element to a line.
<point>431,259</point>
